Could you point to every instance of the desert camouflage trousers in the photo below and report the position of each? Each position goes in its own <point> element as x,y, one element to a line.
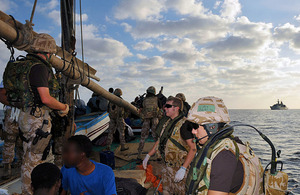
<point>58,143</point>
<point>115,124</point>
<point>147,124</point>
<point>12,140</point>
<point>169,186</point>
<point>28,125</point>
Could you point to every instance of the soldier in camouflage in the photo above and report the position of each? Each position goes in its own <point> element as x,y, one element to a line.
<point>149,111</point>
<point>224,172</point>
<point>34,119</point>
<point>116,115</point>
<point>175,144</point>
<point>186,106</point>
<point>10,136</point>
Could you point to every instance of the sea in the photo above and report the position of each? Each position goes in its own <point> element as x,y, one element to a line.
<point>282,127</point>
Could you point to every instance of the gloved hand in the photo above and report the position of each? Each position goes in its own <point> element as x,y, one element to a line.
<point>145,161</point>
<point>180,174</point>
<point>63,113</point>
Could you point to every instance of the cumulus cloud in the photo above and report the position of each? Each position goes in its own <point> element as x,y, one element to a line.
<point>297,17</point>
<point>202,26</point>
<point>143,45</point>
<point>139,9</point>
<point>230,9</point>
<point>288,33</point>
<point>186,7</point>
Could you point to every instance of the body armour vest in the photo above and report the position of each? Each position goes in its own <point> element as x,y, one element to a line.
<point>253,171</point>
<point>17,83</point>
<point>150,107</point>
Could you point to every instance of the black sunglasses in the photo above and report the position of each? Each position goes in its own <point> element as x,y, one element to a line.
<point>169,106</point>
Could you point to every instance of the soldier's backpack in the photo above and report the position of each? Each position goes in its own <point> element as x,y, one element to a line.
<point>17,84</point>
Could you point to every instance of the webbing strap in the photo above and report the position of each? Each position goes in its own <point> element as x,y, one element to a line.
<point>176,143</point>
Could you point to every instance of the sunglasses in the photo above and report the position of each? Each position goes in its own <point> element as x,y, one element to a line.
<point>169,106</point>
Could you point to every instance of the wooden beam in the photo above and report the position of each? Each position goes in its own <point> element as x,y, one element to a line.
<point>9,33</point>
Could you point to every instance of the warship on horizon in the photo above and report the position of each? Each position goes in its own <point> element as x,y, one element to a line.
<point>279,106</point>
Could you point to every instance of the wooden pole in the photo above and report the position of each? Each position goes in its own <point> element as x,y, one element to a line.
<point>9,33</point>
<point>63,54</point>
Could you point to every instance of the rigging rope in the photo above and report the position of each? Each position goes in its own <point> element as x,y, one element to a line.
<point>33,10</point>
<point>82,49</point>
<point>10,44</point>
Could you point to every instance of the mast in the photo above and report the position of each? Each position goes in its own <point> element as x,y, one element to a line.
<point>68,44</point>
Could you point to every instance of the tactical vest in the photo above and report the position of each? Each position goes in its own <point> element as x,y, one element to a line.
<point>17,84</point>
<point>174,154</point>
<point>176,148</point>
<point>150,107</point>
<point>253,171</point>
<point>116,112</point>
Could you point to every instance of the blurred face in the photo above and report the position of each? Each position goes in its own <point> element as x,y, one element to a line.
<point>171,110</point>
<point>71,155</point>
<point>200,133</point>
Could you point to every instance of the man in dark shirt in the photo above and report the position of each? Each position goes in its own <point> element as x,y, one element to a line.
<point>207,116</point>
<point>36,116</point>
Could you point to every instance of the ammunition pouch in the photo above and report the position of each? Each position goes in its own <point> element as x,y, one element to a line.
<point>41,141</point>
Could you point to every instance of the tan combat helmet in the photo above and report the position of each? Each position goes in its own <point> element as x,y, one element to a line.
<point>118,92</point>
<point>43,43</point>
<point>208,110</point>
<point>151,90</point>
<point>181,96</point>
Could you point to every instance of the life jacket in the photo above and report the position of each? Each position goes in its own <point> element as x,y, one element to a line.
<point>172,147</point>
<point>116,112</point>
<point>253,171</point>
<point>17,83</point>
<point>176,148</point>
<point>150,107</point>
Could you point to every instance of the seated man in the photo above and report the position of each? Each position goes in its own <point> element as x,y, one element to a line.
<point>45,179</point>
<point>84,176</point>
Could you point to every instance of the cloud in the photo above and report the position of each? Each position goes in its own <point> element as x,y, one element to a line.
<point>139,9</point>
<point>186,7</point>
<point>288,33</point>
<point>230,9</point>
<point>7,5</point>
<point>204,29</point>
<point>297,17</point>
<point>55,16</point>
<point>143,45</point>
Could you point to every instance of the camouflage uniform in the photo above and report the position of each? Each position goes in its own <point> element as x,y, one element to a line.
<point>169,186</point>
<point>173,158</point>
<point>28,125</point>
<point>57,150</point>
<point>150,114</point>
<point>20,93</point>
<point>116,115</point>
<point>11,140</point>
<point>213,110</point>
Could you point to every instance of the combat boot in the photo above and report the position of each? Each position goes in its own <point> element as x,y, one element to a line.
<point>7,171</point>
<point>123,148</point>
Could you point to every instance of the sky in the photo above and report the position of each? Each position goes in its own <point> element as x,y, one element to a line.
<point>245,52</point>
